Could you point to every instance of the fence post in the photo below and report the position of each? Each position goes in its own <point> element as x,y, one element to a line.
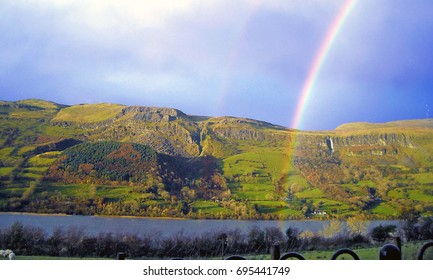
<point>275,251</point>
<point>389,252</point>
<point>398,243</point>
<point>121,256</point>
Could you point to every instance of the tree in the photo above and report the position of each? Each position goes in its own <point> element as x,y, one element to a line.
<point>256,239</point>
<point>223,239</point>
<point>426,228</point>
<point>357,226</point>
<point>410,218</point>
<point>187,193</point>
<point>272,235</point>
<point>334,228</point>
<point>185,208</point>
<point>56,242</point>
<point>382,233</point>
<point>165,195</point>
<point>292,235</point>
<point>16,237</point>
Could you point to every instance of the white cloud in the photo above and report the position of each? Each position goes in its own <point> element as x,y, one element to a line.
<point>197,35</point>
<point>304,7</point>
<point>110,15</point>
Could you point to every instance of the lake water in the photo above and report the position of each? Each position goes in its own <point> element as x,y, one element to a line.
<point>93,225</point>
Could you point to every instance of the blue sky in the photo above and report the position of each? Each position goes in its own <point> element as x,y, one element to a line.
<point>238,58</point>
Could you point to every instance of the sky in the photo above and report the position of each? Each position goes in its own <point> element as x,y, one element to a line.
<point>245,58</point>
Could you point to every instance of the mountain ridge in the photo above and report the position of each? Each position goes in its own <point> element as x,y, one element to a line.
<point>412,123</point>
<point>214,167</point>
<point>173,112</point>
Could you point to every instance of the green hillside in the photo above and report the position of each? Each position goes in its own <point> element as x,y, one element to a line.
<point>132,160</point>
<point>88,113</point>
<point>424,123</point>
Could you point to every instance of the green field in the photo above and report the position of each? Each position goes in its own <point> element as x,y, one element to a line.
<point>384,208</point>
<point>267,162</point>
<point>397,193</point>
<point>42,160</point>
<point>88,113</point>
<point>423,178</point>
<point>36,170</point>
<point>410,252</point>
<point>113,193</point>
<point>209,207</point>
<point>6,171</point>
<point>5,152</point>
<point>419,195</point>
<point>28,175</point>
<point>311,193</point>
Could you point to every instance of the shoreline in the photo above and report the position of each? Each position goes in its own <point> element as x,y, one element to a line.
<point>167,227</point>
<point>176,218</point>
<point>102,216</point>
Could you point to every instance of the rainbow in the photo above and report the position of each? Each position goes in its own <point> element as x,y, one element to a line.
<point>312,76</point>
<point>319,60</point>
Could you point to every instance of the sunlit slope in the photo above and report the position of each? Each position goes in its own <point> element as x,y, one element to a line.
<point>382,169</point>
<point>359,126</point>
<point>207,167</point>
<point>88,113</point>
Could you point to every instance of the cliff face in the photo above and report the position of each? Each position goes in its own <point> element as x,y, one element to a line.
<point>248,130</point>
<point>408,147</point>
<point>372,139</point>
<point>249,134</point>
<point>399,139</point>
<point>167,130</point>
<point>173,132</point>
<point>152,114</point>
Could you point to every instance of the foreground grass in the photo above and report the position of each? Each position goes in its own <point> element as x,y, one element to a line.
<point>410,252</point>
<point>48,258</point>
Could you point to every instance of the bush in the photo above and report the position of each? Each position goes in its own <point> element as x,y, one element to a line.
<point>293,241</point>
<point>426,228</point>
<point>382,233</point>
<point>74,242</point>
<point>418,229</point>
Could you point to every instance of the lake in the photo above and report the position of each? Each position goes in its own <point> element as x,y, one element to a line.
<point>93,225</point>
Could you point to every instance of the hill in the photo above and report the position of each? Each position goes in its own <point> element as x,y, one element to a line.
<point>423,123</point>
<point>133,160</point>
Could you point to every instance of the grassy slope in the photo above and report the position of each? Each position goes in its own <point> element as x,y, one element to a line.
<point>88,113</point>
<point>360,126</point>
<point>252,168</point>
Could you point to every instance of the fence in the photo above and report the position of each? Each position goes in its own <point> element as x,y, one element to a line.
<point>387,252</point>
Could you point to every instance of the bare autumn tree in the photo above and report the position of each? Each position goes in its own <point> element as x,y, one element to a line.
<point>334,228</point>
<point>357,225</point>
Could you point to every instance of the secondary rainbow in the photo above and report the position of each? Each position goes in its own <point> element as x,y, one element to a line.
<point>238,41</point>
<point>319,60</point>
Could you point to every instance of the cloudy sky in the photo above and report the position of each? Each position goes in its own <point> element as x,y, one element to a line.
<point>245,58</point>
